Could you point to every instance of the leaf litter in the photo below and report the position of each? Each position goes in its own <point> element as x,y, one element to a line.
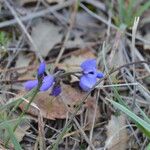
<point>89,32</point>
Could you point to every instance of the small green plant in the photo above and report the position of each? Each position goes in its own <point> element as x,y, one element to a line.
<point>6,130</point>
<point>142,124</point>
<point>3,39</point>
<point>128,10</point>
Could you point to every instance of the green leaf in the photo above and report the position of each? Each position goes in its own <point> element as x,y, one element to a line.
<point>141,124</point>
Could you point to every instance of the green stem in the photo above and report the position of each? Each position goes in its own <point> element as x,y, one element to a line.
<point>27,107</point>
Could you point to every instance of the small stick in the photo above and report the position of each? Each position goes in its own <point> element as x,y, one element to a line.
<point>72,19</point>
<point>36,14</point>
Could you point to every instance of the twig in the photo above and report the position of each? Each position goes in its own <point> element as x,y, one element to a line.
<point>41,132</point>
<point>83,133</point>
<point>116,85</point>
<point>24,29</point>
<point>140,57</point>
<point>72,19</point>
<point>27,106</point>
<point>36,14</point>
<point>94,117</point>
<point>136,21</point>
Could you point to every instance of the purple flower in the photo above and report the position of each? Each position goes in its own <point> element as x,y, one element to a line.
<point>90,74</point>
<point>89,66</point>
<point>46,83</point>
<point>30,84</point>
<point>56,90</point>
<point>41,68</point>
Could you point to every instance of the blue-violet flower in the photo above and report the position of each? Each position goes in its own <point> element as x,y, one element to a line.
<point>47,81</point>
<point>56,90</point>
<point>90,74</point>
<point>41,68</point>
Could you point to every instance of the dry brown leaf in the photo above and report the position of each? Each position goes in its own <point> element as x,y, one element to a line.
<point>91,105</point>
<point>46,36</point>
<point>22,61</point>
<point>55,107</point>
<point>30,73</point>
<point>21,131</point>
<point>72,63</point>
<point>116,133</point>
<point>85,20</point>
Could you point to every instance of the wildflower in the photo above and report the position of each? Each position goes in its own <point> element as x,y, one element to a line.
<point>90,74</point>
<point>47,81</point>
<point>30,84</point>
<point>56,90</point>
<point>41,68</point>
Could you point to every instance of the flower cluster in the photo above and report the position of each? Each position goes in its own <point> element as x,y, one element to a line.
<point>47,82</point>
<point>87,80</point>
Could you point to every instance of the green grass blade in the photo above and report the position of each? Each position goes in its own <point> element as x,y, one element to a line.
<point>143,125</point>
<point>13,138</point>
<point>17,101</point>
<point>121,4</point>
<point>12,121</point>
<point>129,12</point>
<point>143,8</point>
<point>143,114</point>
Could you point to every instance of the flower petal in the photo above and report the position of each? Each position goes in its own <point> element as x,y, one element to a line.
<point>41,68</point>
<point>56,91</point>
<point>87,82</point>
<point>88,65</point>
<point>100,75</point>
<point>30,84</point>
<point>47,83</point>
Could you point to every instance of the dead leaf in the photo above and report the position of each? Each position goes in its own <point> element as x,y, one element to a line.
<point>22,61</point>
<point>116,133</point>
<point>91,105</point>
<point>45,35</point>
<point>85,20</point>
<point>56,107</point>
<point>73,62</point>
<point>21,131</point>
